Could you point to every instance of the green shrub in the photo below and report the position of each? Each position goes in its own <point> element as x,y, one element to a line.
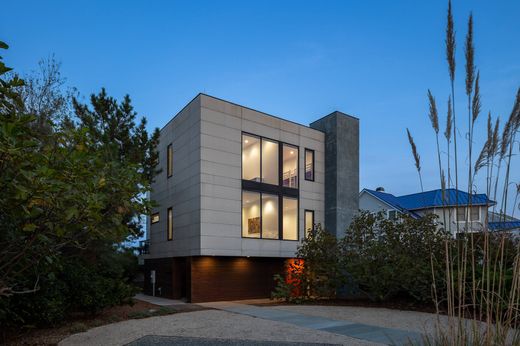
<point>389,259</point>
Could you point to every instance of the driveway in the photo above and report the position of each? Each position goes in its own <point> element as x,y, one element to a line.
<point>235,323</point>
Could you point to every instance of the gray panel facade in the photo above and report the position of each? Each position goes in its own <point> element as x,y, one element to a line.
<point>205,190</point>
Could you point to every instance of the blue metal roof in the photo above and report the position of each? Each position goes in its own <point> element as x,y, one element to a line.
<point>431,199</point>
<point>503,226</point>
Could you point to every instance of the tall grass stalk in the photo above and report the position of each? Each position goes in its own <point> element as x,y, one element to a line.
<point>447,135</point>
<point>416,157</point>
<point>483,306</point>
<point>450,57</point>
<point>514,121</point>
<point>434,119</point>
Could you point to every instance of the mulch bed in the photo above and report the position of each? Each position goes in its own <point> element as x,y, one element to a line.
<point>81,323</point>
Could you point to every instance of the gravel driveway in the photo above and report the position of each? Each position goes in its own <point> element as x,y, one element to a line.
<point>232,328</point>
<point>206,324</point>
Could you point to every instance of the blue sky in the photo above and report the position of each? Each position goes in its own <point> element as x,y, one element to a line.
<point>296,59</point>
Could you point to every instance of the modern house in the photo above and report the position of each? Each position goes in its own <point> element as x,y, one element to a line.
<point>471,211</point>
<point>237,193</point>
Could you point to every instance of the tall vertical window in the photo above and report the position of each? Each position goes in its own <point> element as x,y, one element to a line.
<point>461,214</point>
<point>474,214</point>
<point>309,164</point>
<point>169,224</point>
<point>270,174</point>
<point>251,158</point>
<point>269,189</point>
<point>270,213</point>
<point>309,222</point>
<point>290,218</point>
<point>290,166</point>
<point>169,161</point>
<point>251,214</point>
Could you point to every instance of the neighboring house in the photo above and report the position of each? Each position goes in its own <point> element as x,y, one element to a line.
<point>501,222</point>
<point>238,191</point>
<point>419,204</point>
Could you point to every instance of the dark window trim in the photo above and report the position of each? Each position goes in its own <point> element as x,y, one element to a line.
<point>169,160</point>
<point>169,224</point>
<point>158,219</point>
<point>305,164</point>
<point>281,191</point>
<point>280,229</point>
<point>305,221</point>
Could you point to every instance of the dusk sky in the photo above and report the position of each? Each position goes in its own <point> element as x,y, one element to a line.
<point>299,60</point>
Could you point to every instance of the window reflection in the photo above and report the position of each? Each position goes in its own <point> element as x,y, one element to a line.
<point>251,158</point>
<point>269,162</point>
<point>270,216</point>
<point>290,166</point>
<point>290,218</point>
<point>251,214</point>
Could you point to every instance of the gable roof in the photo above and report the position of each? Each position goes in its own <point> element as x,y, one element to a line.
<point>391,201</point>
<point>430,199</point>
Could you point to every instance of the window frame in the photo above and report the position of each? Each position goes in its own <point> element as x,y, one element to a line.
<point>280,165</point>
<point>465,213</point>
<point>169,224</point>
<point>305,164</point>
<point>271,189</point>
<point>158,218</point>
<point>478,217</point>
<point>305,232</point>
<point>169,160</point>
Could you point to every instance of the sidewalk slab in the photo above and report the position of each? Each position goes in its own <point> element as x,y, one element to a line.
<point>158,300</point>
<point>388,336</point>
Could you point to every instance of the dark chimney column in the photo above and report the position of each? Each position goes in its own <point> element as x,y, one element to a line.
<point>341,169</point>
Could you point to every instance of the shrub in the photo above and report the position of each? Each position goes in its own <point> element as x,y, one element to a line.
<point>389,258</point>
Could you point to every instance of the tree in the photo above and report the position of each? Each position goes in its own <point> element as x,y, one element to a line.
<point>70,196</point>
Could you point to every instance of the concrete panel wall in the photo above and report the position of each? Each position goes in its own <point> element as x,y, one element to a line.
<point>182,191</point>
<point>222,125</point>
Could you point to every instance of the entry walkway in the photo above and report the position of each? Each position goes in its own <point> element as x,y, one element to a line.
<point>389,336</point>
<point>158,300</point>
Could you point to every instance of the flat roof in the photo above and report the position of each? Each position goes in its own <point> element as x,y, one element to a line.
<point>264,113</point>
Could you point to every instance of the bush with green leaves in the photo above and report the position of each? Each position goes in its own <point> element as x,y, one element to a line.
<point>389,259</point>
<point>71,193</point>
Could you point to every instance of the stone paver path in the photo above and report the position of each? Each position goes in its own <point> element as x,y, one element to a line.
<point>389,336</point>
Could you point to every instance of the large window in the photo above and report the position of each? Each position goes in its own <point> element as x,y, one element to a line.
<point>270,214</point>
<point>309,222</point>
<point>169,160</point>
<point>290,166</point>
<point>270,172</point>
<point>309,164</point>
<point>169,224</point>
<point>251,214</point>
<point>251,158</point>
<point>290,218</point>
<point>269,189</point>
<point>461,214</point>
